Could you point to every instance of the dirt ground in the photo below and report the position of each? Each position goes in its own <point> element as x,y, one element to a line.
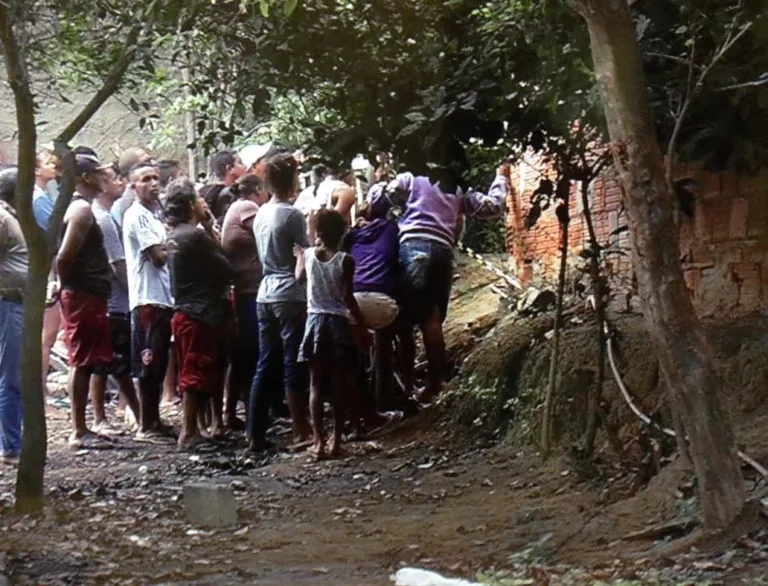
<point>428,494</point>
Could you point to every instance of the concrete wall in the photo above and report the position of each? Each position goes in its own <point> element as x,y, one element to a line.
<point>114,127</point>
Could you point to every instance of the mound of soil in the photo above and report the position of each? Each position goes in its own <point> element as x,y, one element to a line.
<point>512,364</point>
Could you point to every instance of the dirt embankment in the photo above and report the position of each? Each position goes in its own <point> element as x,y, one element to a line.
<point>503,362</point>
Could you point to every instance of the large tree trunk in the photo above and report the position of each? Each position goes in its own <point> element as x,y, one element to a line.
<point>42,246</point>
<point>29,483</point>
<point>685,357</point>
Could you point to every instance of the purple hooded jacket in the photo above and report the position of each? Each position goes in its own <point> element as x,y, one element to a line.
<point>375,250</point>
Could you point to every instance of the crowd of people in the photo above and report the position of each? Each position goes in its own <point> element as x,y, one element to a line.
<point>244,289</point>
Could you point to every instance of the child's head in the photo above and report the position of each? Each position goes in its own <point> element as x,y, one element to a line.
<point>330,228</point>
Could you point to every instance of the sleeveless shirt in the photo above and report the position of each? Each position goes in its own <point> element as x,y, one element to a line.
<point>90,272</point>
<point>325,284</point>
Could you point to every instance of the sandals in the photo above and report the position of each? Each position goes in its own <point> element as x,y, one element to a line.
<point>90,441</point>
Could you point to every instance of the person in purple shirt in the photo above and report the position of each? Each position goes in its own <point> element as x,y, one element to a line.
<point>434,210</point>
<point>374,247</point>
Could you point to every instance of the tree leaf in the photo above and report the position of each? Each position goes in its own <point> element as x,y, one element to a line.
<point>289,6</point>
<point>264,7</point>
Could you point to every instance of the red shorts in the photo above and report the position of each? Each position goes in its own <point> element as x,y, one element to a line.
<point>197,353</point>
<point>86,328</point>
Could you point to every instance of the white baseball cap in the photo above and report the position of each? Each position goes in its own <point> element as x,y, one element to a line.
<point>253,153</point>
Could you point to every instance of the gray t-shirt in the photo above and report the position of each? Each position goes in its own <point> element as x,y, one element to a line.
<point>122,204</point>
<point>147,283</point>
<point>14,260</point>
<point>278,227</point>
<point>113,243</point>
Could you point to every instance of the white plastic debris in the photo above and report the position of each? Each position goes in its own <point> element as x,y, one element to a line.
<point>416,577</point>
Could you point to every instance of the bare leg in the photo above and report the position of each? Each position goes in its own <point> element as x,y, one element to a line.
<point>435,346</point>
<point>127,394</point>
<point>384,370</point>
<point>171,376</point>
<point>98,391</point>
<point>316,407</point>
<point>77,385</point>
<point>51,327</point>
<point>217,421</point>
<point>408,359</point>
<point>191,407</point>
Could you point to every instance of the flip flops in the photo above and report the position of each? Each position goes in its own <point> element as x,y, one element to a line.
<point>90,441</point>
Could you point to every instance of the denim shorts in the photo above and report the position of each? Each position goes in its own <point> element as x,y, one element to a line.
<point>426,277</point>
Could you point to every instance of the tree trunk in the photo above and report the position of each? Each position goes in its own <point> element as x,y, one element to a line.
<point>593,404</point>
<point>29,480</point>
<point>546,423</point>
<point>685,357</point>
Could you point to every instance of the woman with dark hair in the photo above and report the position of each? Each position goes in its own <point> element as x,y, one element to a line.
<point>200,277</point>
<point>239,245</point>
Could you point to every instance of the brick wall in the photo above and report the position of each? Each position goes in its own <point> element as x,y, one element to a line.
<point>724,247</point>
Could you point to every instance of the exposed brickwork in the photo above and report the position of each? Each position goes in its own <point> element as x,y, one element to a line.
<point>724,248</point>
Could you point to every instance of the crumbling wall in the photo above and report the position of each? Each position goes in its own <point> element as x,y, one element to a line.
<point>724,246</point>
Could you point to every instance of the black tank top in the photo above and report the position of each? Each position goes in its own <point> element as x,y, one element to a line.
<point>90,272</point>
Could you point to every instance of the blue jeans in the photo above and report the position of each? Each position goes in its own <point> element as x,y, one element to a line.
<point>10,377</point>
<point>426,277</point>
<point>281,329</point>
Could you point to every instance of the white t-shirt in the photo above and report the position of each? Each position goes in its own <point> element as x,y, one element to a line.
<point>147,283</point>
<point>307,202</point>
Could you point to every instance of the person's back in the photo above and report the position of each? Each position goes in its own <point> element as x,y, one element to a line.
<point>325,283</point>
<point>90,271</point>
<point>278,227</point>
<point>240,245</point>
<point>200,274</point>
<point>430,213</point>
<point>374,247</point>
<point>14,260</point>
<point>113,247</point>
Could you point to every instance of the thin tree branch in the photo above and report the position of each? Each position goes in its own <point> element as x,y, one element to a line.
<point>111,83</point>
<point>730,40</point>
<point>753,83</point>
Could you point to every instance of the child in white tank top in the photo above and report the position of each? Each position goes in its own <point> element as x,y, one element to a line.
<point>329,341</point>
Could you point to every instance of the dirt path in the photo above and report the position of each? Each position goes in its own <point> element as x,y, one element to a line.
<point>420,497</point>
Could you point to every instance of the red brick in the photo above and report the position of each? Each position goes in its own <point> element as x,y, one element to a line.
<point>721,219</point>
<point>739,213</point>
<point>758,214</point>
<point>703,221</point>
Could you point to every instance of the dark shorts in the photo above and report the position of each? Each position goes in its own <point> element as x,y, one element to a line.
<point>197,346</point>
<point>426,277</point>
<point>328,336</point>
<point>120,331</point>
<point>150,341</point>
<point>86,328</point>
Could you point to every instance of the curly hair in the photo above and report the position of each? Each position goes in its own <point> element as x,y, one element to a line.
<point>331,228</point>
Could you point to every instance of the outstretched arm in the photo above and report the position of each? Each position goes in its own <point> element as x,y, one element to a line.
<point>490,205</point>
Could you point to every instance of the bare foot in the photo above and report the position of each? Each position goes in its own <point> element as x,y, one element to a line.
<point>188,442</point>
<point>335,448</point>
<point>218,433</point>
<point>317,452</point>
